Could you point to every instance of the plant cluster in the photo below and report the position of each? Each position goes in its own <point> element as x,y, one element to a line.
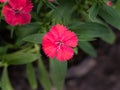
<point>56,27</point>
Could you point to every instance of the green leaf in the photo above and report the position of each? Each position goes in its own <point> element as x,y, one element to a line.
<point>58,72</point>
<point>3,50</point>
<point>39,6</point>
<point>90,31</point>
<point>76,50</point>
<point>110,15</point>
<point>34,38</point>
<point>117,5</point>
<point>43,76</point>
<point>63,12</point>
<point>20,58</point>
<point>25,30</point>
<point>88,48</point>
<point>28,29</point>
<point>49,4</point>
<point>6,85</point>
<point>93,11</point>
<point>0,84</point>
<point>31,76</point>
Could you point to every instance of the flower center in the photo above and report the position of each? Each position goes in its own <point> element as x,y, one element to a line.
<point>59,44</point>
<point>17,11</point>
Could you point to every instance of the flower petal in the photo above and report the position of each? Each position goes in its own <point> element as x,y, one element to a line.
<point>48,45</point>
<point>28,7</point>
<point>49,36</point>
<point>3,0</point>
<point>9,15</point>
<point>58,30</point>
<point>24,18</point>
<point>49,49</point>
<point>64,53</point>
<point>17,3</point>
<point>70,39</point>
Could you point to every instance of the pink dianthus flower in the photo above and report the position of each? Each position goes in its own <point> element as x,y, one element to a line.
<point>59,43</point>
<point>17,12</point>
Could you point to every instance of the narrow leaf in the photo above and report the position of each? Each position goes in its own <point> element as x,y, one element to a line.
<point>28,29</point>
<point>87,48</point>
<point>62,13</point>
<point>20,58</point>
<point>6,85</point>
<point>3,50</point>
<point>93,11</point>
<point>35,38</point>
<point>39,7</point>
<point>25,30</point>
<point>89,31</point>
<point>110,15</point>
<point>0,84</point>
<point>31,76</point>
<point>43,76</point>
<point>58,72</point>
<point>117,5</point>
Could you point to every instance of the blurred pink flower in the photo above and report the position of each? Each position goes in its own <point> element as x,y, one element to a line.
<point>51,0</point>
<point>109,3</point>
<point>3,0</point>
<point>17,12</point>
<point>59,43</point>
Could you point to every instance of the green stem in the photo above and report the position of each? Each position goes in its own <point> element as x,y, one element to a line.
<point>2,64</point>
<point>12,32</point>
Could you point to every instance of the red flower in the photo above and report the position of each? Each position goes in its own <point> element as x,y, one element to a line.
<point>17,12</point>
<point>59,43</point>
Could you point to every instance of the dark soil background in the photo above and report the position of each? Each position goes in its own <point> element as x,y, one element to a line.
<point>85,72</point>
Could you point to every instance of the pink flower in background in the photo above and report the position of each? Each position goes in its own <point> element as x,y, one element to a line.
<point>17,12</point>
<point>59,43</point>
<point>3,0</point>
<point>109,3</point>
<point>51,0</point>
